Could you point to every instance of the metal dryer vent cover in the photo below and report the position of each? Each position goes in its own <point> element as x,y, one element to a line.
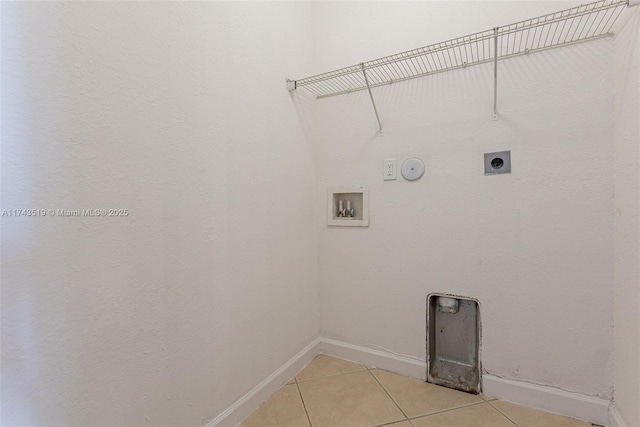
<point>497,163</point>
<point>453,342</point>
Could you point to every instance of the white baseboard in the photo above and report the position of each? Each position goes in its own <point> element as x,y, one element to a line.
<point>247,404</point>
<point>615,417</point>
<point>575,405</point>
<point>588,408</point>
<point>380,359</point>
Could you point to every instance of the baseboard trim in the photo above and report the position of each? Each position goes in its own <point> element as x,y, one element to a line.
<point>247,404</point>
<point>575,405</point>
<point>615,417</point>
<point>380,359</point>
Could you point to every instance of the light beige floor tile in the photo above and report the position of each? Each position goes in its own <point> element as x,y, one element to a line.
<point>354,399</point>
<point>528,417</point>
<point>283,409</point>
<point>417,397</point>
<point>324,366</point>
<point>481,415</point>
<point>487,398</point>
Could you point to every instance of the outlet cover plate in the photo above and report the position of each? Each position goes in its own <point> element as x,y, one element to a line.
<point>497,163</point>
<point>389,169</point>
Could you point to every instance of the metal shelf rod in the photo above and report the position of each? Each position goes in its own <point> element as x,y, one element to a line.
<point>575,25</point>
<point>579,23</point>
<point>495,74</point>
<point>484,61</point>
<point>364,72</point>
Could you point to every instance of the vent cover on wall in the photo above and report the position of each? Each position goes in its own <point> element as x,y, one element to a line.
<point>453,342</point>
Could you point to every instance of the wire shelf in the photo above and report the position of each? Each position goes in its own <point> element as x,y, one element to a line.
<point>580,23</point>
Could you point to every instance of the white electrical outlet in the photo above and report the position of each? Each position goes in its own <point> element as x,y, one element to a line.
<point>389,169</point>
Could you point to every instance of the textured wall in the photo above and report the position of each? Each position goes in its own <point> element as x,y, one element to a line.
<point>627,221</point>
<point>178,112</point>
<point>534,247</point>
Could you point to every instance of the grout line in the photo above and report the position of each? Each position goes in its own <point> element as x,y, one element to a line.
<point>303,404</point>
<point>332,375</point>
<point>503,414</point>
<point>432,413</point>
<point>394,422</point>
<point>385,390</point>
<point>446,410</point>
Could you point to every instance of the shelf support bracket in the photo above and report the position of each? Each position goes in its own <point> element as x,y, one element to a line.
<point>495,73</point>
<point>375,110</point>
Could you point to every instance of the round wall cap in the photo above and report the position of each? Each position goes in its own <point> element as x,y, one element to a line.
<point>412,169</point>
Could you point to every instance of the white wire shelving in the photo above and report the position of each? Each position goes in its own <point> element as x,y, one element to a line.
<point>585,22</point>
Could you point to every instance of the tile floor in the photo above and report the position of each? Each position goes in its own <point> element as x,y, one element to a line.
<point>333,392</point>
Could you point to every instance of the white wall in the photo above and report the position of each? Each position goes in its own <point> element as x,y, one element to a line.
<point>179,113</point>
<point>627,221</point>
<point>535,247</point>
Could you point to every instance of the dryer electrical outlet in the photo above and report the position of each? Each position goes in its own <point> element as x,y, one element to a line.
<point>497,163</point>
